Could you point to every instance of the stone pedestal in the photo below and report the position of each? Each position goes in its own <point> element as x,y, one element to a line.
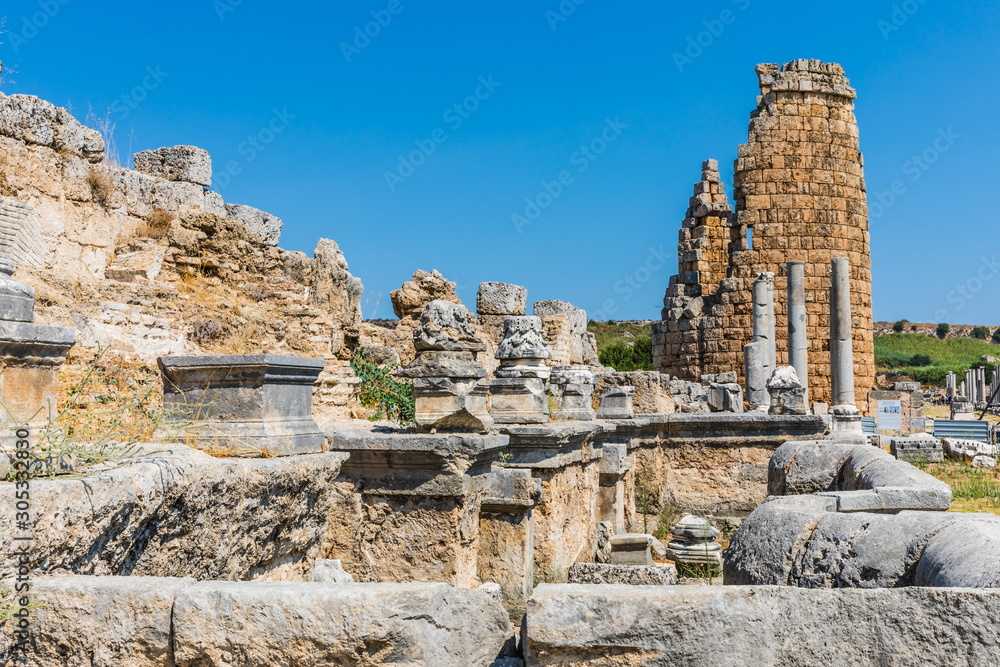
<point>694,549</point>
<point>449,389</point>
<point>788,396</point>
<point>962,408</point>
<point>518,392</point>
<point>518,401</point>
<point>30,356</point>
<point>241,404</point>
<point>572,390</point>
<point>632,549</point>
<point>616,403</point>
<point>507,533</point>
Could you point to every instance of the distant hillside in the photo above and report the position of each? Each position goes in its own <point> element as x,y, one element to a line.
<point>956,330</point>
<point>625,331</point>
<point>928,359</point>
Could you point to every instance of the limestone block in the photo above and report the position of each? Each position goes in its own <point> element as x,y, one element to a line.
<point>616,403</point>
<point>264,225</point>
<point>175,511</point>
<point>924,449</point>
<point>35,121</point>
<point>725,397</point>
<point>413,296</point>
<point>331,571</point>
<point>311,624</point>
<point>249,404</point>
<point>630,575</point>
<point>501,299</point>
<point>20,233</point>
<point>145,263</point>
<point>760,625</point>
<point>101,622</point>
<point>176,163</point>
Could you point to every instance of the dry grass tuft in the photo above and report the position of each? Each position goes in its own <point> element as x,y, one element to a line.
<point>102,187</point>
<point>157,225</point>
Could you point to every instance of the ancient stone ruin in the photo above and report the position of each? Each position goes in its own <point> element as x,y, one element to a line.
<point>292,485</point>
<point>799,196</point>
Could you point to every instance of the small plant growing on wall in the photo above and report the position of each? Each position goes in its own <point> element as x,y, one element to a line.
<point>380,389</point>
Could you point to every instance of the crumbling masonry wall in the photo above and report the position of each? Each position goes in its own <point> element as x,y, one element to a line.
<point>799,196</point>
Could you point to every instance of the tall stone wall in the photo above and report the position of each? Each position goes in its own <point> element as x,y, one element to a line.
<point>799,196</point>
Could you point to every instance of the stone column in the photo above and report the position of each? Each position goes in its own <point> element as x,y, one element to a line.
<point>950,384</point>
<point>798,339</point>
<point>841,333</point>
<point>753,368</point>
<point>846,416</point>
<point>763,319</point>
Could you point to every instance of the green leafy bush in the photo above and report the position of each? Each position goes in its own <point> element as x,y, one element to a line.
<point>996,336</point>
<point>982,333</point>
<point>900,326</point>
<point>943,329</point>
<point>920,360</point>
<point>391,397</point>
<point>635,357</point>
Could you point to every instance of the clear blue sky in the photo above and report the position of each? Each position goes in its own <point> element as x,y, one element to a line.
<point>226,70</point>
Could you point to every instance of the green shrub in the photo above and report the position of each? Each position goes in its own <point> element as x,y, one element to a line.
<point>982,333</point>
<point>899,326</point>
<point>943,329</point>
<point>391,397</point>
<point>920,360</point>
<point>996,336</point>
<point>635,357</point>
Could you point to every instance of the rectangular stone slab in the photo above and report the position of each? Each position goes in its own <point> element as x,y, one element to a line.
<point>246,403</point>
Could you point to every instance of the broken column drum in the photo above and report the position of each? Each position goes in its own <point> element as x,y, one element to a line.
<point>518,392</point>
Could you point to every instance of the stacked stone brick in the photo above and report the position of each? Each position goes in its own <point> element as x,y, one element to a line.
<point>799,186</point>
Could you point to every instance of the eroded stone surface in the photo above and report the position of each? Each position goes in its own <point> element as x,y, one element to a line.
<point>268,623</point>
<point>760,626</point>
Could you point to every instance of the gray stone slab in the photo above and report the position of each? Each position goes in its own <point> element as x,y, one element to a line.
<point>630,575</point>
<point>757,626</point>
<point>311,624</point>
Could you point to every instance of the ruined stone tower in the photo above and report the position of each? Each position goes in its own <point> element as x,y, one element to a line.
<point>799,196</point>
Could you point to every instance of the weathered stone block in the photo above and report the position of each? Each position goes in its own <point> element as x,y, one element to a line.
<point>312,624</point>
<point>176,163</point>
<point>518,401</point>
<point>501,299</point>
<point>629,575</point>
<point>247,403</point>
<point>264,225</point>
<point>616,403</point>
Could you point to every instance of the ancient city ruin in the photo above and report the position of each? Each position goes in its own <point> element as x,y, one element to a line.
<point>264,478</point>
